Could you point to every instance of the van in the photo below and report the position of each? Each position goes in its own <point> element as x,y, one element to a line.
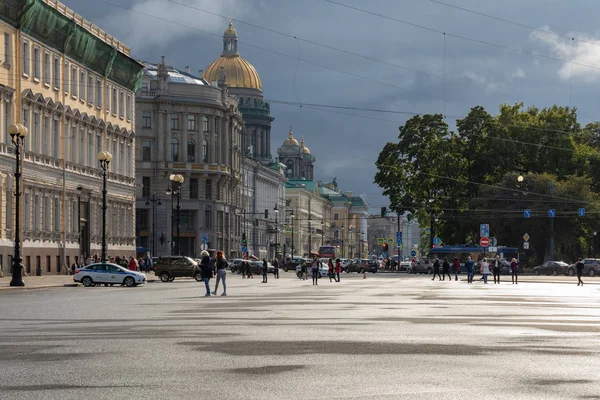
<point>168,268</point>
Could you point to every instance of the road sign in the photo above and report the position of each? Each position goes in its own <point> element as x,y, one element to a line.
<point>287,230</point>
<point>493,242</point>
<point>526,237</point>
<point>380,241</point>
<point>582,212</point>
<point>526,245</point>
<point>527,214</point>
<point>552,213</point>
<point>413,253</point>
<point>204,238</point>
<point>428,230</point>
<point>484,242</point>
<point>484,230</point>
<point>492,249</point>
<point>437,241</point>
<point>244,249</point>
<point>398,238</point>
<point>204,246</point>
<point>389,241</point>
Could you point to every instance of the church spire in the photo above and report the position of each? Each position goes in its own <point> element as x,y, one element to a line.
<point>230,41</point>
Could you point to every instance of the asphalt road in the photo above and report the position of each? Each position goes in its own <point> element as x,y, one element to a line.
<point>379,338</point>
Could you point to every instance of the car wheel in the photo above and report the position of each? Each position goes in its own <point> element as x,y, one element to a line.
<point>409,271</point>
<point>347,270</point>
<point>198,277</point>
<point>87,281</point>
<point>571,272</point>
<point>171,279</point>
<point>536,272</point>
<point>592,272</point>
<point>285,269</point>
<point>554,272</point>
<point>129,281</point>
<point>164,277</point>
<point>299,274</point>
<point>429,271</point>
<point>361,271</point>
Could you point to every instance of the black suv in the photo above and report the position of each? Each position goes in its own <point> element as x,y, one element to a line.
<point>168,268</point>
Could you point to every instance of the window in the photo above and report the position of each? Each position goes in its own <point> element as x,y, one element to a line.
<point>128,108</point>
<point>193,188</point>
<point>217,124</point>
<point>191,124</point>
<point>205,123</point>
<point>208,189</point>
<point>99,93</point>
<point>175,121</point>
<point>191,151</point>
<point>336,216</point>
<point>56,72</point>
<point>90,89</point>
<point>36,212</point>
<point>74,82</point>
<point>27,212</point>
<point>207,219</point>
<point>336,234</point>
<point>35,146</point>
<point>146,150</point>
<point>146,186</point>
<point>121,104</point>
<point>46,134</point>
<point>56,138</point>
<point>47,67</point>
<point>8,217</point>
<point>74,217</point>
<point>114,101</point>
<point>143,216</point>
<point>98,143</point>
<point>91,152</point>
<point>146,119</point>
<point>47,215</point>
<point>26,57</point>
<point>205,151</point>
<point>7,55</point>
<point>26,124</point>
<point>82,146</point>
<point>73,143</point>
<point>56,214</point>
<point>82,83</point>
<point>37,72</point>
<point>174,150</point>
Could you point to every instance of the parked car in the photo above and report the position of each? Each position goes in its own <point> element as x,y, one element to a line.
<point>551,267</point>
<point>168,268</point>
<point>423,266</point>
<point>323,269</point>
<point>256,267</point>
<point>292,264</point>
<point>363,265</point>
<point>591,267</point>
<point>108,274</point>
<point>234,265</point>
<point>404,266</point>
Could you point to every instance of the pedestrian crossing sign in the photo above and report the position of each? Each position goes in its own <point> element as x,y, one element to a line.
<point>380,241</point>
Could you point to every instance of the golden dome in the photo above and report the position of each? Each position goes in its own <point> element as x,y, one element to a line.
<point>304,148</point>
<point>230,30</point>
<point>239,73</point>
<point>290,141</point>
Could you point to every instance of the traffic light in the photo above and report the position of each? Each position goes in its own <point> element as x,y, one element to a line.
<point>243,239</point>
<point>384,247</point>
<point>383,211</point>
<point>266,213</point>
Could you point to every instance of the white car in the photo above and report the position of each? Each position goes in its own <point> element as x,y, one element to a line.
<point>323,269</point>
<point>108,273</point>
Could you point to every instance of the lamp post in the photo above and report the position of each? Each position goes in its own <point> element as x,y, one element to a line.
<point>276,211</point>
<point>594,244</point>
<point>104,157</point>
<point>175,189</point>
<point>292,217</point>
<point>155,202</point>
<point>309,235</point>
<point>343,252</point>
<point>17,133</point>
<point>322,232</point>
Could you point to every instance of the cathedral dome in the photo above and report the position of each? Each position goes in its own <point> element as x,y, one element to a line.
<point>304,148</point>
<point>239,73</point>
<point>290,141</point>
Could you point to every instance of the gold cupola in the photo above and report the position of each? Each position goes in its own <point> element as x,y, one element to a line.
<point>304,148</point>
<point>290,141</point>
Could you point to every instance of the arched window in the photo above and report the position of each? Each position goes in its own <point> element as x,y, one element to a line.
<point>205,151</point>
<point>174,150</point>
<point>191,151</point>
<point>289,169</point>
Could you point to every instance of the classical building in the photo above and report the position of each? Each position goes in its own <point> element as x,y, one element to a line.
<point>263,180</point>
<point>299,163</point>
<point>72,85</point>
<point>187,125</point>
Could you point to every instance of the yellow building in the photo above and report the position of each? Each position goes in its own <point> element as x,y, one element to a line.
<point>72,85</point>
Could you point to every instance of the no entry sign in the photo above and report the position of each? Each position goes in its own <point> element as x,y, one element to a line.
<point>484,242</point>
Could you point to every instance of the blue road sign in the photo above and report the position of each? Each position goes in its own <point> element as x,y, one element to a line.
<point>413,253</point>
<point>244,249</point>
<point>582,212</point>
<point>484,230</point>
<point>428,230</point>
<point>551,213</point>
<point>398,238</point>
<point>437,240</point>
<point>527,214</point>
<point>204,238</point>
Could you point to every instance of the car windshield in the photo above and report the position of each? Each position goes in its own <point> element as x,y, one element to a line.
<point>562,264</point>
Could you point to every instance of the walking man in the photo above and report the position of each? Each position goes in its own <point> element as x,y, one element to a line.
<point>436,269</point>
<point>446,270</point>
<point>470,265</point>
<point>496,270</point>
<point>265,270</point>
<point>456,268</point>
<point>579,266</point>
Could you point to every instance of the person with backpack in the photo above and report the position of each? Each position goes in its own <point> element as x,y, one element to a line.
<point>446,270</point>
<point>221,266</point>
<point>456,268</point>
<point>206,270</point>
<point>436,269</point>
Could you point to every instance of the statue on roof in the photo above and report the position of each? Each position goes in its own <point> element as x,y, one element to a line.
<point>334,182</point>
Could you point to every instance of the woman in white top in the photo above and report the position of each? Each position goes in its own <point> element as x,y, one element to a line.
<point>485,270</point>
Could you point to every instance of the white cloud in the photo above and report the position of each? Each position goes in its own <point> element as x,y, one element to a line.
<point>578,52</point>
<point>139,30</point>
<point>491,84</point>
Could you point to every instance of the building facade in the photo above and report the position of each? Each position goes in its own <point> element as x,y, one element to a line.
<point>188,126</point>
<point>71,85</point>
<point>263,181</point>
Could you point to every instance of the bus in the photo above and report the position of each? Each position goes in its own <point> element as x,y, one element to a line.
<point>462,252</point>
<point>327,252</point>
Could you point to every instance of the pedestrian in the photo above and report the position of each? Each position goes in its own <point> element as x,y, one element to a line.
<point>118,260</point>
<point>242,268</point>
<point>470,266</point>
<point>579,267</point>
<point>436,269</point>
<point>338,269</point>
<point>73,268</point>
<point>248,268</point>
<point>446,270</point>
<point>485,270</point>
<point>456,268</point>
<point>514,271</point>
<point>315,270</point>
<point>221,265</point>
<point>330,269</point>
<point>265,270</point>
<point>149,263</point>
<point>206,270</point>
<point>303,270</point>
<point>496,269</point>
<point>276,268</point>
<point>132,264</point>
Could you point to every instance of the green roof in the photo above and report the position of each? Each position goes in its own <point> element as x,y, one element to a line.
<point>297,183</point>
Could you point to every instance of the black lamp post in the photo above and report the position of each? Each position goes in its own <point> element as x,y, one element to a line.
<point>276,211</point>
<point>104,157</point>
<point>17,133</point>
<point>155,202</point>
<point>322,232</point>
<point>292,217</point>
<point>343,250</point>
<point>175,189</point>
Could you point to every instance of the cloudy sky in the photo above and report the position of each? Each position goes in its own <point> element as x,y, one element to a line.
<point>401,67</point>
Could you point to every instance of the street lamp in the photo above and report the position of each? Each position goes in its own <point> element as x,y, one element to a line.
<point>292,216</point>
<point>17,133</point>
<point>594,244</point>
<point>105,158</point>
<point>176,182</point>
<point>276,211</point>
<point>322,232</point>
<point>343,252</point>
<point>155,202</point>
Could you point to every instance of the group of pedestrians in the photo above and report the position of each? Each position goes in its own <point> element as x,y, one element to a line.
<point>484,268</point>
<point>207,270</point>
<point>446,269</point>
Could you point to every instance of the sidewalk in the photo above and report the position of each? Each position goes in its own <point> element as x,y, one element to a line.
<point>50,281</point>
